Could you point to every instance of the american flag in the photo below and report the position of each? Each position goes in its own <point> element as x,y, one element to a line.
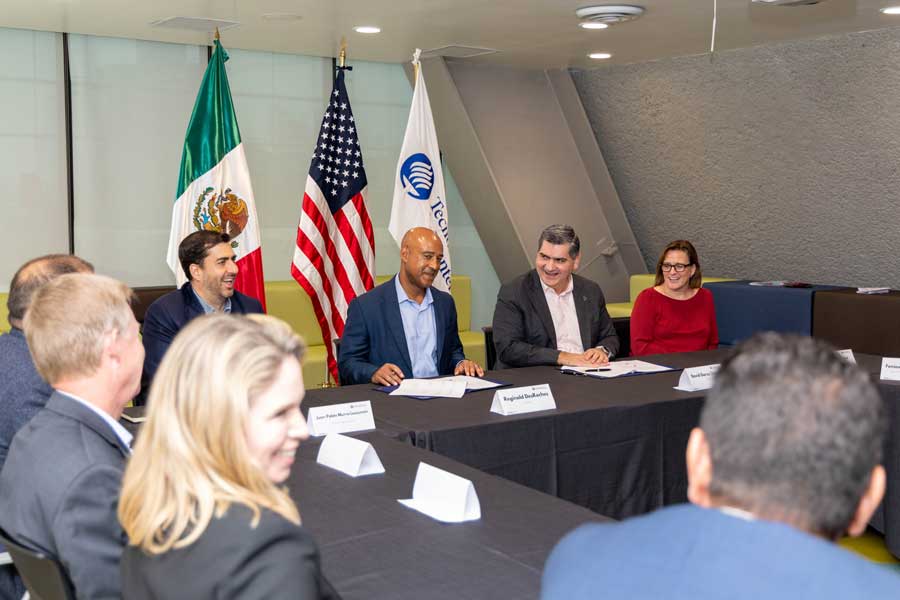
<point>334,260</point>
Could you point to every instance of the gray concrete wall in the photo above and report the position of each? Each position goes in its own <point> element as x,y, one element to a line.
<point>538,172</point>
<point>780,162</point>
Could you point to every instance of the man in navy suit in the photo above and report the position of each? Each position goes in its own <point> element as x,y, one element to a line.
<point>59,487</point>
<point>404,327</point>
<point>785,461</point>
<point>208,263</point>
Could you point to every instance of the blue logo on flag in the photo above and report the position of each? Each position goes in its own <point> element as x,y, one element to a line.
<point>417,176</point>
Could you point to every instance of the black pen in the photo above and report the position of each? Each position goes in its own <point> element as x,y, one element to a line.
<point>598,369</point>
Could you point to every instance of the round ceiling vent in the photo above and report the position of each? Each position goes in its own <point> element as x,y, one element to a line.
<point>609,13</point>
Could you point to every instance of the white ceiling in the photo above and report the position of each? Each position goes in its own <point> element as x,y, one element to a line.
<point>528,33</point>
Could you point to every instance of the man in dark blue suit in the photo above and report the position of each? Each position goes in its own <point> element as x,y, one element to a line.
<point>404,327</point>
<point>785,461</point>
<point>208,263</point>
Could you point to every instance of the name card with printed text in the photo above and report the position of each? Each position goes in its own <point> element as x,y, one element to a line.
<point>520,400</point>
<point>341,418</point>
<point>697,378</point>
<point>847,355</point>
<point>349,455</point>
<point>443,495</point>
<point>890,369</point>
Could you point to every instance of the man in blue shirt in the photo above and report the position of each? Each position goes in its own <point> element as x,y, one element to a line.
<point>784,462</point>
<point>404,327</point>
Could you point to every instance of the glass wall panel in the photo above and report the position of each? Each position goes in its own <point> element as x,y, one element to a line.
<point>131,102</point>
<point>32,148</point>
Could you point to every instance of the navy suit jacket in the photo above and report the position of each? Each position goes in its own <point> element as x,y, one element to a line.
<point>373,335</point>
<point>59,491</point>
<point>165,318</point>
<point>23,392</point>
<point>686,552</point>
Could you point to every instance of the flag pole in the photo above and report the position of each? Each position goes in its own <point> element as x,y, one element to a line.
<point>415,62</point>
<point>217,33</point>
<point>327,383</point>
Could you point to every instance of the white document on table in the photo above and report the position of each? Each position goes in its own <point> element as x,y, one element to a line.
<point>617,369</point>
<point>434,388</point>
<point>349,455</point>
<point>443,496</point>
<point>473,383</point>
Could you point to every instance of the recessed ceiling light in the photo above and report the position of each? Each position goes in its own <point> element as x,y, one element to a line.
<point>890,10</point>
<point>592,25</point>
<point>600,55</point>
<point>367,29</point>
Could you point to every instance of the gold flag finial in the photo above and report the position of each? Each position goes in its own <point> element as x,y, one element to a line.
<point>217,33</point>
<point>342,57</point>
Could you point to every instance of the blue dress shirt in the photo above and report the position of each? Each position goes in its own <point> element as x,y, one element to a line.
<point>419,329</point>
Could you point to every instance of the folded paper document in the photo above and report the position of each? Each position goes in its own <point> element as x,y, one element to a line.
<point>617,369</point>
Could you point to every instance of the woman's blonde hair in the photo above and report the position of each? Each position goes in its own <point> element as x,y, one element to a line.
<point>191,460</point>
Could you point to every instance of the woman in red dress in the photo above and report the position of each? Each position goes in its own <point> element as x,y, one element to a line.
<point>676,315</point>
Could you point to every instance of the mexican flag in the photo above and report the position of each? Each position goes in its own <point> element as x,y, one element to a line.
<point>214,190</point>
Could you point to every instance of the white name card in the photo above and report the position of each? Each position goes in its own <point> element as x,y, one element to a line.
<point>349,455</point>
<point>443,496</point>
<point>340,418</point>
<point>890,369</point>
<point>516,401</point>
<point>697,378</point>
<point>847,355</point>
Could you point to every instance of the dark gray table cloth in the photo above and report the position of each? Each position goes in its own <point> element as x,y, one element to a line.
<point>615,446</point>
<point>374,547</point>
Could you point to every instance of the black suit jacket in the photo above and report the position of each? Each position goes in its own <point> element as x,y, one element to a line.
<point>276,560</point>
<point>524,335</point>
<point>373,335</point>
<point>59,491</point>
<point>165,318</point>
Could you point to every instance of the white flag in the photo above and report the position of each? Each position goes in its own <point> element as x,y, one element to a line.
<point>419,196</point>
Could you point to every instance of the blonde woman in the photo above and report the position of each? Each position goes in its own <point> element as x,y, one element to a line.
<point>201,502</point>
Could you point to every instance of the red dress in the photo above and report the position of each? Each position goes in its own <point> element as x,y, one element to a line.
<point>660,324</point>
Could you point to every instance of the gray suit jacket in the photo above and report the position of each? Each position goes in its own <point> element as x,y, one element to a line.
<point>524,335</point>
<point>59,491</point>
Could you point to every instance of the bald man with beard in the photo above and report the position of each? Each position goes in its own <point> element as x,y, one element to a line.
<point>404,327</point>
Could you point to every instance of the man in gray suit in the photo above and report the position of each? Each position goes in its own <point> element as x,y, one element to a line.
<point>59,487</point>
<point>550,316</point>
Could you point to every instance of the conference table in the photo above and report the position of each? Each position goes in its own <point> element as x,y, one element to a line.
<point>743,308</point>
<point>615,446</point>
<point>374,547</point>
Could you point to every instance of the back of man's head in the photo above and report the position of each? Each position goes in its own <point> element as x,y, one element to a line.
<point>70,321</point>
<point>35,273</point>
<point>794,433</point>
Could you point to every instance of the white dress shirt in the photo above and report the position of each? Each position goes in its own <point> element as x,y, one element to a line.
<point>123,434</point>
<point>565,319</point>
